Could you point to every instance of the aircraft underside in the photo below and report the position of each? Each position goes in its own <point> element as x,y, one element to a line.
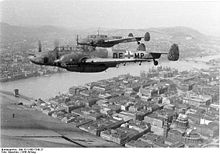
<point>85,68</point>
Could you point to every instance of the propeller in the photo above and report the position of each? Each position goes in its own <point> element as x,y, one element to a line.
<point>56,45</point>
<point>33,55</point>
<point>39,46</point>
<point>77,39</point>
<point>98,31</point>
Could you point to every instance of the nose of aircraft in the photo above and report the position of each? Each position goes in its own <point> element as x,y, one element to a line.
<point>35,60</point>
<point>31,57</point>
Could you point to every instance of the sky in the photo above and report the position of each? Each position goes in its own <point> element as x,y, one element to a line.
<point>129,14</point>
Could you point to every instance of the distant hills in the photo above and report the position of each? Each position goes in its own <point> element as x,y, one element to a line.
<point>11,32</point>
<point>191,42</point>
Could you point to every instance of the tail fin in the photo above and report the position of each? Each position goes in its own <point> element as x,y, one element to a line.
<point>173,54</point>
<point>141,47</point>
<point>147,36</point>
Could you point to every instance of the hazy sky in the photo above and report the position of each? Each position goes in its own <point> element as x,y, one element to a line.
<point>203,16</point>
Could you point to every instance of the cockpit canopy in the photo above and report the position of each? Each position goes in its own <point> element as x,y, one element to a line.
<point>65,48</point>
<point>97,36</point>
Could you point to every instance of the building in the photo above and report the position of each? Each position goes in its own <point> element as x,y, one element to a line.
<point>154,140</point>
<point>78,121</point>
<point>154,120</point>
<point>140,115</point>
<point>69,107</point>
<point>98,88</point>
<point>76,89</point>
<point>181,122</point>
<point>48,111</point>
<point>140,126</point>
<point>197,100</point>
<point>175,135</point>
<point>158,130</point>
<point>211,130</point>
<point>120,135</point>
<point>96,127</point>
<point>194,118</point>
<point>148,91</point>
<point>138,144</point>
<point>177,145</point>
<point>126,116</point>
<point>69,118</point>
<point>192,138</point>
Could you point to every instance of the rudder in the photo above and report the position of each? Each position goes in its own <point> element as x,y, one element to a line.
<point>173,54</point>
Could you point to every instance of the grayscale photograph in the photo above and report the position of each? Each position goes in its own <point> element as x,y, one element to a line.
<point>109,74</point>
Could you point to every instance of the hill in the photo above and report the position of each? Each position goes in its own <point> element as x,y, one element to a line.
<point>190,41</point>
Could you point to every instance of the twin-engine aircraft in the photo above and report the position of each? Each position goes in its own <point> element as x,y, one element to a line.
<point>110,41</point>
<point>100,59</point>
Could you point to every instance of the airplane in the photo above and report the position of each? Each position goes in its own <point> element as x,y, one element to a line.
<point>78,60</point>
<point>109,41</point>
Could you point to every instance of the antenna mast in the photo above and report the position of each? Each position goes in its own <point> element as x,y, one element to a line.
<point>98,30</point>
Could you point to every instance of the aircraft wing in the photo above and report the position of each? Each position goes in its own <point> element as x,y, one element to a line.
<point>114,60</point>
<point>124,40</point>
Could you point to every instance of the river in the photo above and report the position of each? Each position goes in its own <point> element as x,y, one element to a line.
<point>49,86</point>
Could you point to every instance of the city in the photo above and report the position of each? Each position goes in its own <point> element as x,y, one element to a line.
<point>159,108</point>
<point>14,52</point>
<point>131,75</point>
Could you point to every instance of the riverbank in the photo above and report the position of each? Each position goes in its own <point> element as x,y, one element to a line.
<point>23,76</point>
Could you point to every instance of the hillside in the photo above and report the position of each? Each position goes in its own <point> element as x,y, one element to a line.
<point>17,33</point>
<point>190,41</point>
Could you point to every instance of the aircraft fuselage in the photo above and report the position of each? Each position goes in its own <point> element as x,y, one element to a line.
<point>99,59</point>
<point>74,60</point>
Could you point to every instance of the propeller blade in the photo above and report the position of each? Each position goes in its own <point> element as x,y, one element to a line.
<point>77,39</point>
<point>56,45</point>
<point>39,46</point>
